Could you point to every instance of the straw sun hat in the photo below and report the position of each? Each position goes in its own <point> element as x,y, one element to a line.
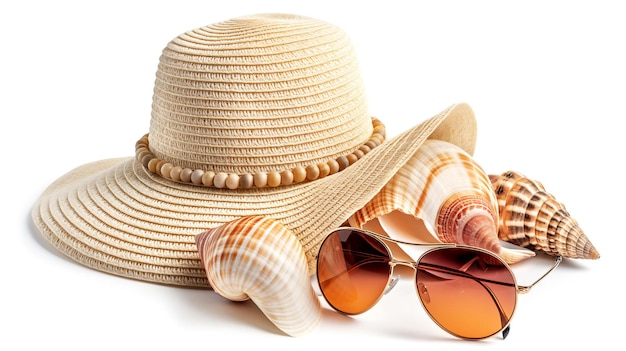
<point>258,115</point>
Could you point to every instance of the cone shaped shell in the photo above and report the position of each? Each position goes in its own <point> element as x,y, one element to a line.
<point>258,258</point>
<point>531,217</point>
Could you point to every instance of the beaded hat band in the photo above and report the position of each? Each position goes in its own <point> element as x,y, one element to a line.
<point>261,179</point>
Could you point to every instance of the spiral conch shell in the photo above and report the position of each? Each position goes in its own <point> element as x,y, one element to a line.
<point>258,258</point>
<point>444,187</point>
<point>531,217</point>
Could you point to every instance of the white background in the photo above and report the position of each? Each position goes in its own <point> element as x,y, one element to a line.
<point>546,80</point>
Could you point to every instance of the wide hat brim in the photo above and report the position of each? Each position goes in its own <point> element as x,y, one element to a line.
<point>117,217</point>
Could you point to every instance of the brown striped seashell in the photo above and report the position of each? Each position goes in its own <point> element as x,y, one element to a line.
<point>531,217</point>
<point>259,258</point>
<point>443,191</point>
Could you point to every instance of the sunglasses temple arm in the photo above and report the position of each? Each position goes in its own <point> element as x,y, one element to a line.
<point>503,318</point>
<point>526,288</point>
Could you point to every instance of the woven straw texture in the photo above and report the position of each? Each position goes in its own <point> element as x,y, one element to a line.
<point>253,94</point>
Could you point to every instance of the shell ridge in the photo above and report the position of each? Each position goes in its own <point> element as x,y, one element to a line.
<point>253,248</point>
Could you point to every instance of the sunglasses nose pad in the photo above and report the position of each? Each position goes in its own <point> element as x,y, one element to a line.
<point>423,291</point>
<point>394,280</point>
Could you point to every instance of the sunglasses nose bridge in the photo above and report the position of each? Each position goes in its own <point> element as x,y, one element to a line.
<point>395,262</point>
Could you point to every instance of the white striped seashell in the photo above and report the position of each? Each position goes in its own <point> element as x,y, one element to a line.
<point>259,258</point>
<point>444,187</point>
<point>531,217</point>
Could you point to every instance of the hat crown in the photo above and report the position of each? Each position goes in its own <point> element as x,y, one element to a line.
<point>258,94</point>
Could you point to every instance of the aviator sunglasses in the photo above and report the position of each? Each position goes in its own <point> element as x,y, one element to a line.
<point>469,292</point>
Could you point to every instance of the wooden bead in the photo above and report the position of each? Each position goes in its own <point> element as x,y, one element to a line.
<point>246,181</point>
<point>371,144</point>
<point>141,153</point>
<point>358,154</point>
<point>143,149</point>
<point>159,166</point>
<point>232,181</point>
<point>352,158</point>
<point>175,173</point>
<point>145,160</point>
<point>323,169</point>
<point>333,166</point>
<point>343,162</point>
<point>364,149</point>
<point>260,179</point>
<point>380,132</point>
<point>219,181</point>
<point>207,178</point>
<point>299,174</point>
<point>286,177</point>
<point>196,176</point>
<point>273,179</point>
<point>166,168</point>
<point>312,172</point>
<point>185,175</point>
<point>152,165</point>
<point>140,148</point>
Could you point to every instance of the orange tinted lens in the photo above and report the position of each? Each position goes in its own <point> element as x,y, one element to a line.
<point>469,293</point>
<point>352,270</point>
